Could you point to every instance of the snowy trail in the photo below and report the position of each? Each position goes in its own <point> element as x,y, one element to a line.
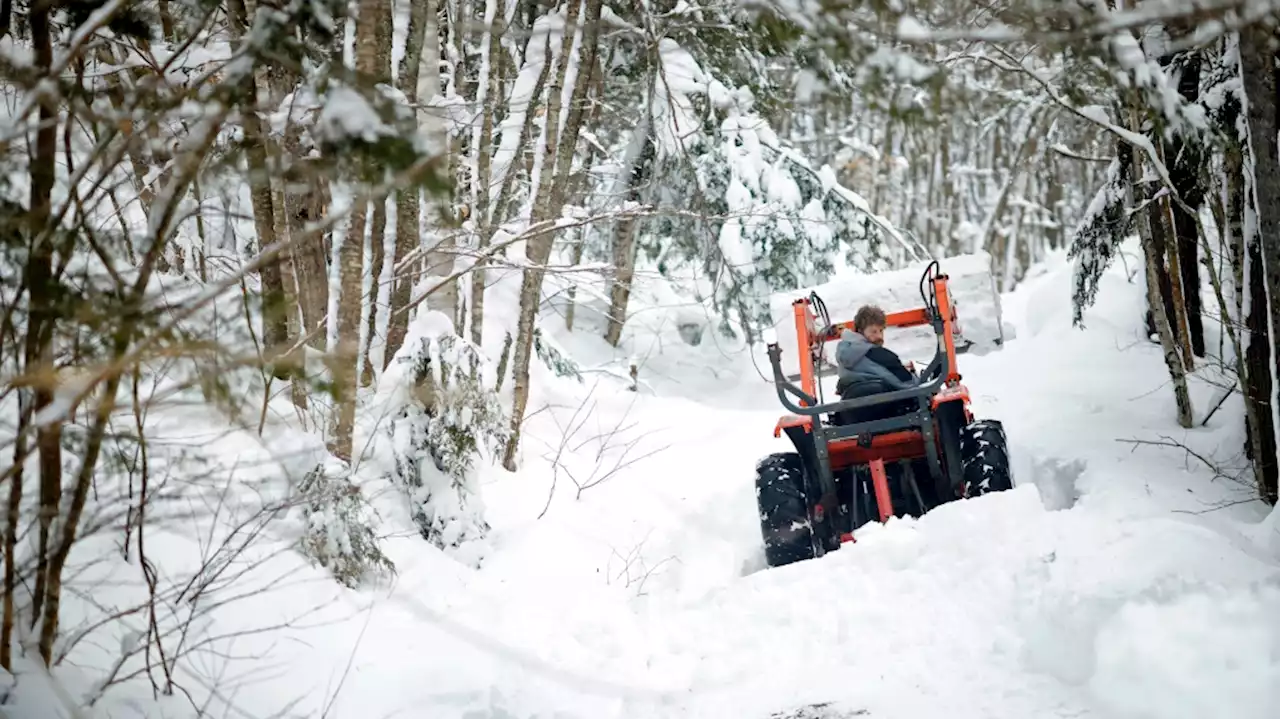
<point>1090,590</point>
<point>1099,587</point>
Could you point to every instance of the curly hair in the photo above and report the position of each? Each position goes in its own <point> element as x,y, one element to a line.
<point>868,316</point>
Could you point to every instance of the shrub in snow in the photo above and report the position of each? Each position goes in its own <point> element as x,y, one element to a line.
<point>553,358</point>
<point>338,533</point>
<point>439,414</point>
<point>1102,229</point>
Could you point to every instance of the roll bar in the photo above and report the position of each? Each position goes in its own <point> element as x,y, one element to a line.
<point>785,387</point>
<point>938,312</point>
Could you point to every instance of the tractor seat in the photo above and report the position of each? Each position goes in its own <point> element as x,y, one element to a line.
<point>871,413</point>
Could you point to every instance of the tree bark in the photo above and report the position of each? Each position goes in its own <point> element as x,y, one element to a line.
<point>42,294</point>
<point>580,184</point>
<point>498,208</point>
<point>275,313</point>
<point>1189,159</point>
<point>490,85</point>
<point>345,366</point>
<point>1258,75</point>
<point>1164,330</point>
<point>556,168</point>
<point>1164,229</point>
<point>624,242</point>
<point>1185,173</point>
<point>438,261</point>
<point>378,225</point>
<point>1148,222</point>
<point>408,204</point>
<point>1233,225</point>
<point>1256,383</point>
<point>310,254</point>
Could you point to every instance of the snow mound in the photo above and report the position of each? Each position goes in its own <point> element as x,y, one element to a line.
<point>1101,586</point>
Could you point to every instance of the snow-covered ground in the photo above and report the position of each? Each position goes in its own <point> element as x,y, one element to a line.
<point>1118,580</point>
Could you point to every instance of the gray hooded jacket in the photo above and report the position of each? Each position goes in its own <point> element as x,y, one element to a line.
<point>853,364</point>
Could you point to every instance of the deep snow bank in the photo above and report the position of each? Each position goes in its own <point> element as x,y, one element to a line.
<point>1046,601</point>
<point>623,573</point>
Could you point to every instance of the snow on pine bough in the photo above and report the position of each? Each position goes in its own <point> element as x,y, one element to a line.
<point>875,451</point>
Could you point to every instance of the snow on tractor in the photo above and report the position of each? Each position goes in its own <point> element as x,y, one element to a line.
<point>876,452</point>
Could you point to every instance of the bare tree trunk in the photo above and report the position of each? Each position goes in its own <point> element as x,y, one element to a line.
<point>1258,74</point>
<point>275,318</point>
<point>1163,224</point>
<point>1185,160</point>
<point>408,207</point>
<point>556,168</point>
<point>377,238</point>
<point>1253,363</point>
<point>12,517</point>
<point>580,184</point>
<point>42,293</point>
<point>1256,384</point>
<point>439,259</point>
<point>498,208</point>
<point>1233,224</point>
<point>1186,229</point>
<point>1145,219</point>
<point>1053,201</point>
<point>310,255</point>
<point>490,87</point>
<point>378,229</point>
<point>624,242</point>
<point>345,365</point>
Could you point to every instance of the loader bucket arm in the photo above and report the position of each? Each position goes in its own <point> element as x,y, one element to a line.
<point>809,407</point>
<point>937,312</point>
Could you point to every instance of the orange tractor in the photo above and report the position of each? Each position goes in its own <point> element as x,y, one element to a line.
<point>876,452</point>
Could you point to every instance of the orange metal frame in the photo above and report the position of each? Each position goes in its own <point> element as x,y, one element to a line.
<point>809,339</point>
<point>892,446</point>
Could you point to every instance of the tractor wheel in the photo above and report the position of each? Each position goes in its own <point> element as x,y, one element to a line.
<point>985,454</point>
<point>784,509</point>
<point>986,458</point>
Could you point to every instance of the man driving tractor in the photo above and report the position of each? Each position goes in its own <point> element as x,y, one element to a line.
<point>862,359</point>
<point>892,445</point>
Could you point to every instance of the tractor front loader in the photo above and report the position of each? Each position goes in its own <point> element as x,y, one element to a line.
<point>875,452</point>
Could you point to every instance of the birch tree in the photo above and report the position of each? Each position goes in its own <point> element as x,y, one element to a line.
<point>556,166</point>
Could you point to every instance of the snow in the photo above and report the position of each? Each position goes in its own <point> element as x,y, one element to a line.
<point>898,65</point>
<point>675,119</point>
<point>910,28</point>
<point>346,114</point>
<point>1102,586</point>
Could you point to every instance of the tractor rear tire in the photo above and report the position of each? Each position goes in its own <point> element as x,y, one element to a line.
<point>784,509</point>
<point>985,455</point>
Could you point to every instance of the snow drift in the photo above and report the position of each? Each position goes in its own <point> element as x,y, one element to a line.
<point>1102,586</point>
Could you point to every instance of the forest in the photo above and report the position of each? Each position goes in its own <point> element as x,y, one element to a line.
<point>356,248</point>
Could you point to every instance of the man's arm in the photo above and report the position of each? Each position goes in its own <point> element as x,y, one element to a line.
<point>889,360</point>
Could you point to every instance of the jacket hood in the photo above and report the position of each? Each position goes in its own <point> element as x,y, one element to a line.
<point>852,348</point>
